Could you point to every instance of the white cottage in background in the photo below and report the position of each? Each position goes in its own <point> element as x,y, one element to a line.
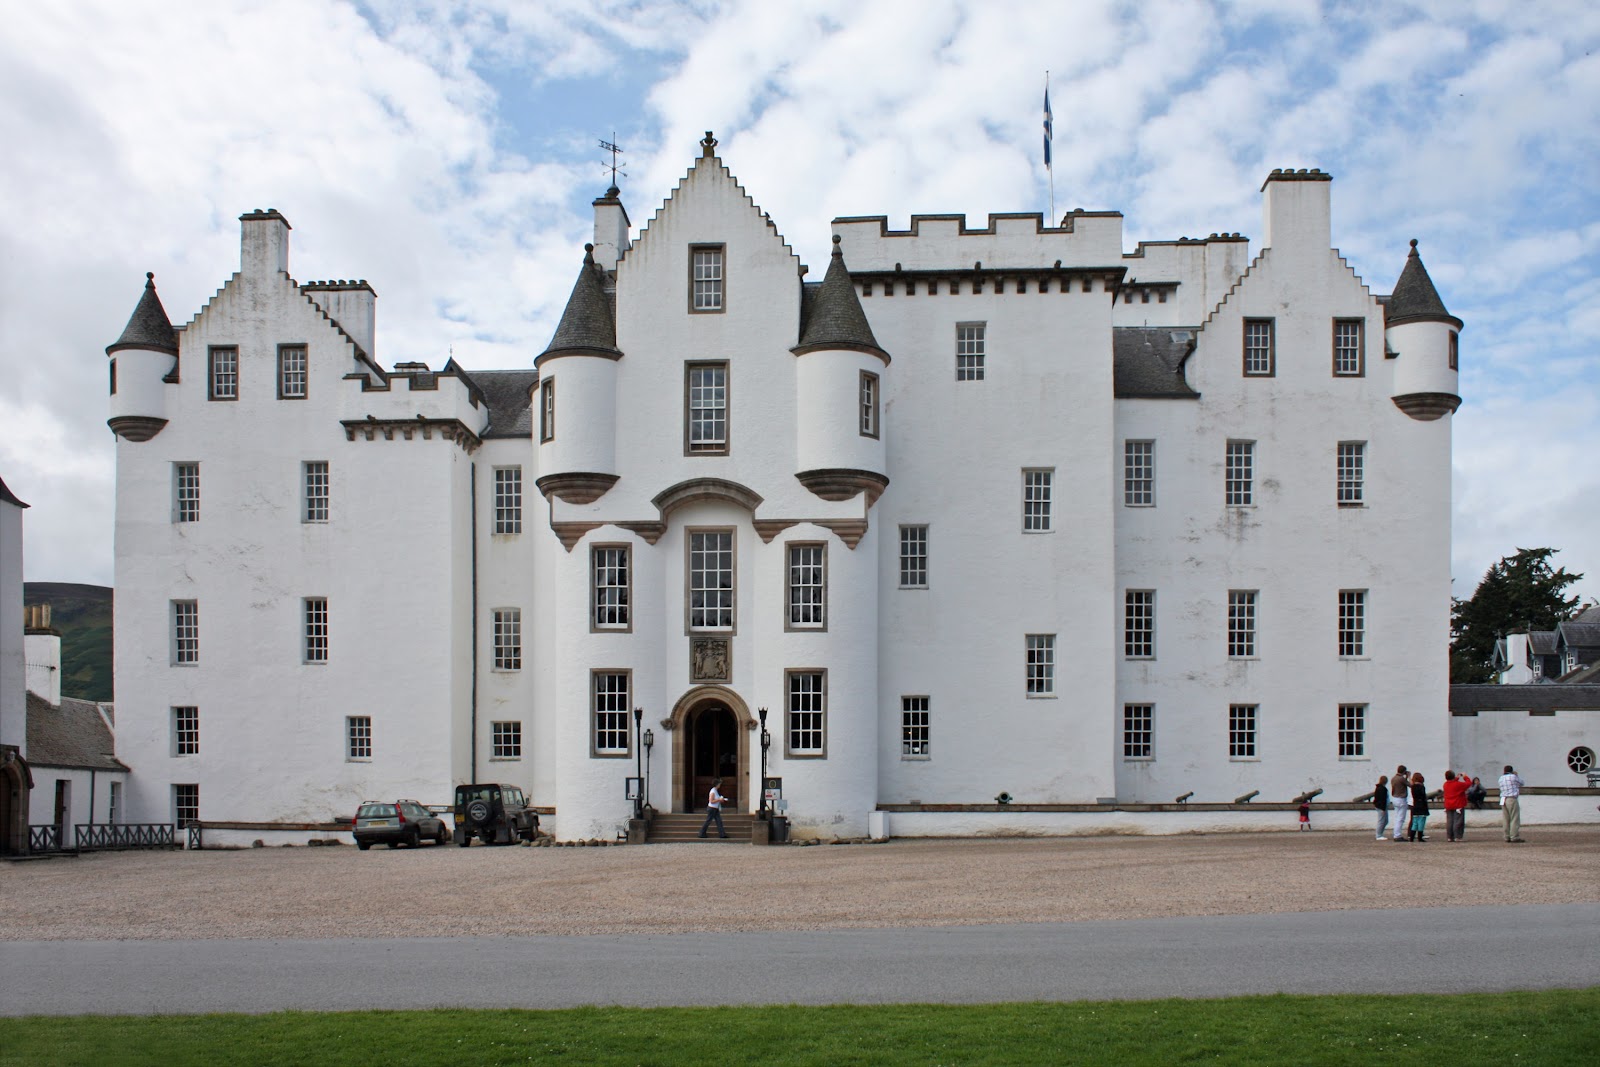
<point>985,510</point>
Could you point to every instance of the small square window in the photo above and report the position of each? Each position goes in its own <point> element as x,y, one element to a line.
<point>507,740</point>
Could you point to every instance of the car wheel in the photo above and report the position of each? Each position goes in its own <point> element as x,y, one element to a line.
<point>392,844</point>
<point>363,845</point>
<point>441,837</point>
<point>466,839</point>
<point>415,840</point>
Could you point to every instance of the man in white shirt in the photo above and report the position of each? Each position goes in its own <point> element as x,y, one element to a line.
<point>714,810</point>
<point>1510,804</point>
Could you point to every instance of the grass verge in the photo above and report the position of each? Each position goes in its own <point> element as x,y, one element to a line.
<point>1550,1027</point>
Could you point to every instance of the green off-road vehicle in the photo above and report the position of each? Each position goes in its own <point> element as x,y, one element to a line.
<point>494,814</point>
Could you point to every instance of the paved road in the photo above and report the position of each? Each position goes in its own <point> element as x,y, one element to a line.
<point>1442,950</point>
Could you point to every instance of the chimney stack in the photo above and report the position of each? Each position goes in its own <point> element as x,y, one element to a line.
<point>264,243</point>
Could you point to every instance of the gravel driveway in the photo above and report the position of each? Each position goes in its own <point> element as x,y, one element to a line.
<point>340,892</point>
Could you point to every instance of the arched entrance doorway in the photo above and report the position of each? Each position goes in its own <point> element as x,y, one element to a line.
<point>16,781</point>
<point>712,727</point>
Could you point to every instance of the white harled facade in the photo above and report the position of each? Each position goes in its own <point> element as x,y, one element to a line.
<point>980,510</point>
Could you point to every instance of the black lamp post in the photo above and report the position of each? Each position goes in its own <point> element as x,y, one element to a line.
<point>766,743</point>
<point>649,743</point>
<point>638,752</point>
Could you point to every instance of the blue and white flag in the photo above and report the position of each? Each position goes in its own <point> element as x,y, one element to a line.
<point>1049,127</point>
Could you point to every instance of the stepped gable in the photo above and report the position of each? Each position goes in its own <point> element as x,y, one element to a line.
<point>708,157</point>
<point>149,326</point>
<point>1147,362</point>
<point>1414,298</point>
<point>73,735</point>
<point>587,325</point>
<point>833,316</point>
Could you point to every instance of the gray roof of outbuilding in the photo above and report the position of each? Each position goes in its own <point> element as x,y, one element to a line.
<point>149,326</point>
<point>1414,298</point>
<point>1542,642</point>
<point>1471,699</point>
<point>73,735</point>
<point>833,315</point>
<point>510,406</point>
<point>1147,362</point>
<point>588,324</point>
<point>8,496</point>
<point>1576,634</point>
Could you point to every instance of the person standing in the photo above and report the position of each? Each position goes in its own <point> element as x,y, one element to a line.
<point>714,810</point>
<point>1419,808</point>
<point>1305,815</point>
<point>1511,804</point>
<point>1380,800</point>
<point>1400,793</point>
<point>1456,787</point>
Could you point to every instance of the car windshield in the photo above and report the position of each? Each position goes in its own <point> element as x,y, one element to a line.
<point>466,794</point>
<point>376,811</point>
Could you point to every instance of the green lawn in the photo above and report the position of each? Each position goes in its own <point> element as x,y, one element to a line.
<point>1555,1027</point>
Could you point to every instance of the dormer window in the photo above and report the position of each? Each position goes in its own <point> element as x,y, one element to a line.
<point>705,278</point>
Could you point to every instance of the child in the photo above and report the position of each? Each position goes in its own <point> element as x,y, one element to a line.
<point>1305,815</point>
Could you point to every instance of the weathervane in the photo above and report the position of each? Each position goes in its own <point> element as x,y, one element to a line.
<point>616,169</point>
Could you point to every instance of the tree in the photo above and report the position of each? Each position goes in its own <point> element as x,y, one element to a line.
<point>1517,594</point>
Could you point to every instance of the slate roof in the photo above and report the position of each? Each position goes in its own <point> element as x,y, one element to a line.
<point>73,735</point>
<point>1542,642</point>
<point>8,496</point>
<point>1414,298</point>
<point>149,326</point>
<point>1471,699</point>
<point>1147,362</point>
<point>587,324</point>
<point>832,316</point>
<point>510,405</point>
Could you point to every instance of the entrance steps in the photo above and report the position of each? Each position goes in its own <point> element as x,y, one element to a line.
<point>685,826</point>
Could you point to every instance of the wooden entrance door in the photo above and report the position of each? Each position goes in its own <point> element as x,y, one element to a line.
<point>713,753</point>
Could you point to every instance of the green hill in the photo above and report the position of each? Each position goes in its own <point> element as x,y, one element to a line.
<point>83,615</point>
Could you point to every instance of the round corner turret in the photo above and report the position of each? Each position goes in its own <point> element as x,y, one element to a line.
<point>1424,340</point>
<point>575,401</point>
<point>142,360</point>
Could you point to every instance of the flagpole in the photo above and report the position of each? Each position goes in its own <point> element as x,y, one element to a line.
<point>1049,136</point>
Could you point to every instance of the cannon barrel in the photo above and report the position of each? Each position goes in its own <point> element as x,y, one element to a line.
<point>1248,797</point>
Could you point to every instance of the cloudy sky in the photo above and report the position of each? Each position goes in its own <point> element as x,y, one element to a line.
<point>447,152</point>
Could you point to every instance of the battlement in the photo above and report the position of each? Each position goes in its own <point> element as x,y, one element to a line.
<point>1009,241</point>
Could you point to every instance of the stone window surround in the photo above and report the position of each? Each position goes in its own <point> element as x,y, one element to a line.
<point>719,289</point>
<point>547,409</point>
<point>1139,473</point>
<point>1262,365</point>
<point>595,586</point>
<point>222,372</point>
<point>870,410</point>
<point>689,534</point>
<point>789,587</point>
<point>186,491</point>
<point>710,447</point>
<point>595,711</point>
<point>287,372</point>
<point>1360,358</point>
<point>316,485</point>
<point>507,500</point>
<point>790,710</point>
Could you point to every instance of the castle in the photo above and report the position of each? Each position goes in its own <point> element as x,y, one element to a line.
<point>986,510</point>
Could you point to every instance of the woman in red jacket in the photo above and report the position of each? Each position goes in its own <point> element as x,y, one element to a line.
<point>1456,787</point>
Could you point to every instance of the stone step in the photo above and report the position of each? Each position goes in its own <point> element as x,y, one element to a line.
<point>685,826</point>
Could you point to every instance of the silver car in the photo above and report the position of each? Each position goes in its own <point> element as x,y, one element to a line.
<point>403,822</point>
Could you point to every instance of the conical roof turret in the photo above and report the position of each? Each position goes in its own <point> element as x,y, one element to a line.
<point>149,327</point>
<point>1414,298</point>
<point>835,318</point>
<point>587,325</point>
